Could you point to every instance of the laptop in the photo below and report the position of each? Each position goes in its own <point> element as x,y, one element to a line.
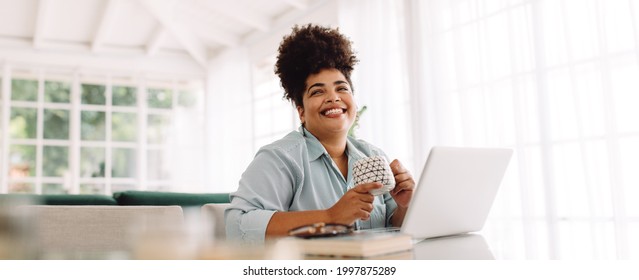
<point>455,192</point>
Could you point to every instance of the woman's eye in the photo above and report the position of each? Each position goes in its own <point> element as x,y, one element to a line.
<point>315,92</point>
<point>342,89</point>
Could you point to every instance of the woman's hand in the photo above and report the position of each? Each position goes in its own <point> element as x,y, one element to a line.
<point>404,184</point>
<point>357,203</point>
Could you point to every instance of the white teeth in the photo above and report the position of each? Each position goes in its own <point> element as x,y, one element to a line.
<point>333,111</point>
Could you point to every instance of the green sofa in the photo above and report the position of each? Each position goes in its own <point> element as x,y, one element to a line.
<point>109,226</point>
<point>126,198</point>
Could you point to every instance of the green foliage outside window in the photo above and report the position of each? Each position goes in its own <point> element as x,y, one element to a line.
<point>55,161</point>
<point>56,124</point>
<point>22,124</point>
<point>57,92</point>
<point>124,127</point>
<point>124,96</point>
<point>93,125</point>
<point>160,98</point>
<point>93,94</point>
<point>24,90</point>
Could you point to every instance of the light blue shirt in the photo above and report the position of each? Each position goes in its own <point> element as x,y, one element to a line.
<point>296,173</point>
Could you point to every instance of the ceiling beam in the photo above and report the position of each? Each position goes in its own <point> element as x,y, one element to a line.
<point>243,16</point>
<point>41,19</point>
<point>163,11</point>
<point>298,4</point>
<point>156,41</point>
<point>106,23</point>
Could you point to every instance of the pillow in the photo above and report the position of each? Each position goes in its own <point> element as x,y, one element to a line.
<point>169,198</point>
<point>58,199</point>
<point>78,199</point>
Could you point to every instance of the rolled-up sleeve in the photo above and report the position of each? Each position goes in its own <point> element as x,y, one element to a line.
<point>265,187</point>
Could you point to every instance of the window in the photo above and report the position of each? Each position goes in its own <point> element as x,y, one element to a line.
<point>273,116</point>
<point>100,136</point>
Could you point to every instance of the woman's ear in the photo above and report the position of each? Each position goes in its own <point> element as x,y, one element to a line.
<point>300,112</point>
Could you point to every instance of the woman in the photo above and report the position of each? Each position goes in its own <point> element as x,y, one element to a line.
<point>305,177</point>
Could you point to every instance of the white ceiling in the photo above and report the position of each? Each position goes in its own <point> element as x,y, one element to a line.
<point>193,29</point>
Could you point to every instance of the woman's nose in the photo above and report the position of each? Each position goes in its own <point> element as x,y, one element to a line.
<point>332,96</point>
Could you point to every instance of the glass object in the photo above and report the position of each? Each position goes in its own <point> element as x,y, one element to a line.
<point>93,94</point>
<point>57,92</point>
<point>55,161</point>
<point>56,124</point>
<point>160,98</point>
<point>22,161</point>
<point>53,189</point>
<point>124,163</point>
<point>158,128</point>
<point>24,90</point>
<point>124,96</point>
<point>23,123</point>
<point>157,169</point>
<point>124,127</point>
<point>92,162</point>
<point>93,126</point>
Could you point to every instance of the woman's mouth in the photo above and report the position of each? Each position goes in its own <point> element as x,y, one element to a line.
<point>333,112</point>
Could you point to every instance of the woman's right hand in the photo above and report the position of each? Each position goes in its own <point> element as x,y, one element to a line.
<point>356,204</point>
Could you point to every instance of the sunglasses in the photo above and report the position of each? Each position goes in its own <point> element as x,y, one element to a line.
<point>320,230</point>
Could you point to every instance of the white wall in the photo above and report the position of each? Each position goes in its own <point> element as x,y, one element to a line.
<point>229,97</point>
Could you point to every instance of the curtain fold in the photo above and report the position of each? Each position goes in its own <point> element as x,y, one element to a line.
<point>558,81</point>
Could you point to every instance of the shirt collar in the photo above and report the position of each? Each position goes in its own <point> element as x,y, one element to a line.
<point>315,148</point>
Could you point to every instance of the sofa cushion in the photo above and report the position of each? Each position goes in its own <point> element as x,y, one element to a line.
<point>69,231</point>
<point>60,199</point>
<point>213,215</point>
<point>78,199</point>
<point>169,198</point>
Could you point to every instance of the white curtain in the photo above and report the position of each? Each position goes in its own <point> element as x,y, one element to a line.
<point>379,80</point>
<point>557,80</point>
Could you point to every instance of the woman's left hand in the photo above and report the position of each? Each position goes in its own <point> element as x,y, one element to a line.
<point>404,184</point>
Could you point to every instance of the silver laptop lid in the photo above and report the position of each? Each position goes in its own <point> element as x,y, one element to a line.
<point>455,191</point>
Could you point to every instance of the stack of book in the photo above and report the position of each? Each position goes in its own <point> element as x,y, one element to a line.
<point>359,244</point>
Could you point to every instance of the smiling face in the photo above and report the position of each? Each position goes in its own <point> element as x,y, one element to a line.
<point>329,109</point>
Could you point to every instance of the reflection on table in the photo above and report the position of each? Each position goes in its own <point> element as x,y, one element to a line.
<point>456,247</point>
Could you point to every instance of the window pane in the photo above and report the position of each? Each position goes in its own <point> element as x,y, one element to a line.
<point>55,161</point>
<point>93,94</point>
<point>92,162</point>
<point>187,99</point>
<point>93,125</point>
<point>56,124</point>
<point>124,127</point>
<point>159,188</point>
<point>53,189</point>
<point>91,188</point>
<point>124,163</point>
<point>124,96</point>
<point>22,161</point>
<point>17,187</point>
<point>157,169</point>
<point>23,123</point>
<point>160,98</point>
<point>122,187</point>
<point>25,90</point>
<point>158,128</point>
<point>57,92</point>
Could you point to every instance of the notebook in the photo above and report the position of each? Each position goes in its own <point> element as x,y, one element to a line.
<point>455,192</point>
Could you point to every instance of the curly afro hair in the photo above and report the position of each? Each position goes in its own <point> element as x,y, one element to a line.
<point>308,50</point>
